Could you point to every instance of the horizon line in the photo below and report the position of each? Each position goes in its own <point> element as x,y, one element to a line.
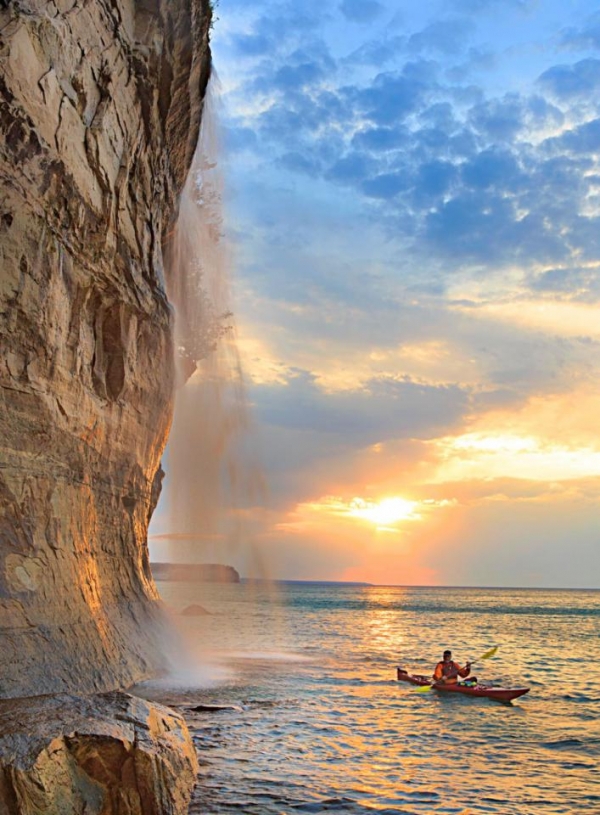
<point>368,584</point>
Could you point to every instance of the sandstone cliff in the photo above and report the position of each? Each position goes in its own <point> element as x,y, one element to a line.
<point>100,104</point>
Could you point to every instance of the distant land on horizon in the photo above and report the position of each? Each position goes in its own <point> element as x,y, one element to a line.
<point>201,572</point>
<point>220,573</point>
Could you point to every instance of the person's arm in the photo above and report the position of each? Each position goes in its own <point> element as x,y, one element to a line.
<point>438,674</point>
<point>463,672</point>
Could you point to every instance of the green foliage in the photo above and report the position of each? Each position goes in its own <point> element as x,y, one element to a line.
<point>213,6</point>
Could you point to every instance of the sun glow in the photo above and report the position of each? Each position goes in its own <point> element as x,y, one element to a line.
<point>386,512</point>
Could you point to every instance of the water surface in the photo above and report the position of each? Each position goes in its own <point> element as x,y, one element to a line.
<point>318,723</point>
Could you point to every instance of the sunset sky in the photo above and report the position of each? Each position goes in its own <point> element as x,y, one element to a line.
<point>413,198</point>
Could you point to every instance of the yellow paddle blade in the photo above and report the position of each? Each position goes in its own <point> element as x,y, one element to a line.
<point>490,653</point>
<point>423,688</point>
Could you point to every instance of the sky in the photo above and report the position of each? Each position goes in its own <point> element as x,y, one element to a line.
<point>413,203</point>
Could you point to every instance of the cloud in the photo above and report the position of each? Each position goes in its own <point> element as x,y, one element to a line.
<point>560,552</point>
<point>577,283</point>
<point>477,60</point>
<point>296,77</point>
<point>381,139</point>
<point>386,185</point>
<point>583,139</point>
<point>498,119</point>
<point>361,11</point>
<point>568,81</point>
<point>353,167</point>
<point>382,409</point>
<point>440,115</point>
<point>254,45</point>
<point>392,96</point>
<point>434,178</point>
<point>275,31</point>
<point>377,52</point>
<point>490,230</point>
<point>586,36</point>
<point>494,168</point>
<point>447,36</point>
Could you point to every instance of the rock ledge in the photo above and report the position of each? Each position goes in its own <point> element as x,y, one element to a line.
<point>107,754</point>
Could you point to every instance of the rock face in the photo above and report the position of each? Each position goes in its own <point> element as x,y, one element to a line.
<point>100,105</point>
<point>107,754</point>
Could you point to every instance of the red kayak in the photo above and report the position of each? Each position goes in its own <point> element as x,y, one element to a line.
<point>501,694</point>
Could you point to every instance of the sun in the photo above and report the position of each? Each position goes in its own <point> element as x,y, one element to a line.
<point>385,512</point>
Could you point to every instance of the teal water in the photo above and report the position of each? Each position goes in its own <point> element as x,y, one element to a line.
<point>319,724</point>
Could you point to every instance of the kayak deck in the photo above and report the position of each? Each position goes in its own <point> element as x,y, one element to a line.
<point>489,692</point>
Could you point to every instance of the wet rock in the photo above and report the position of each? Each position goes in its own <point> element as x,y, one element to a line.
<point>194,610</point>
<point>214,708</point>
<point>113,754</point>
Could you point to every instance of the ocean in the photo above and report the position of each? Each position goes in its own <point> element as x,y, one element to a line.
<point>314,721</point>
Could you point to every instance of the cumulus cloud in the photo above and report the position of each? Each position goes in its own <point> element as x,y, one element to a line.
<point>393,95</point>
<point>483,229</point>
<point>568,81</point>
<point>469,169</point>
<point>381,139</point>
<point>583,139</point>
<point>498,120</point>
<point>494,168</point>
<point>586,36</point>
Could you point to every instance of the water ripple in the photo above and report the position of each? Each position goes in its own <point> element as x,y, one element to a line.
<point>330,730</point>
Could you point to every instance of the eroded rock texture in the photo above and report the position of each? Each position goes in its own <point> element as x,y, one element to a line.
<point>100,102</point>
<point>107,754</point>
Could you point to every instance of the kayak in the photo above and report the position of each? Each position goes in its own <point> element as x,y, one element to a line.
<point>487,691</point>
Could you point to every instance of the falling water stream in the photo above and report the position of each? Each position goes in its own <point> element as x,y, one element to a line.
<point>213,495</point>
<point>213,482</point>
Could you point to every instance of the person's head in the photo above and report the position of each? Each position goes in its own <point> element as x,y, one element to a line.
<point>447,656</point>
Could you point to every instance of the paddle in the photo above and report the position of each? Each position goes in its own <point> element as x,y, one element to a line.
<point>488,655</point>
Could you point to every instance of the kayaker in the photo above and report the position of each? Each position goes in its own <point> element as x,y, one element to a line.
<point>447,671</point>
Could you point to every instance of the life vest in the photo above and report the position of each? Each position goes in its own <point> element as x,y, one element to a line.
<point>449,670</point>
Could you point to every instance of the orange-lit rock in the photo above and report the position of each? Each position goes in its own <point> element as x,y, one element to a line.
<point>108,753</point>
<point>100,107</point>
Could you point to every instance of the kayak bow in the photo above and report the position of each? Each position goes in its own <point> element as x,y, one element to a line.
<point>500,694</point>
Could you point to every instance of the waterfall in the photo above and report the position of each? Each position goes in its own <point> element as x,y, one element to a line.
<point>213,484</point>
